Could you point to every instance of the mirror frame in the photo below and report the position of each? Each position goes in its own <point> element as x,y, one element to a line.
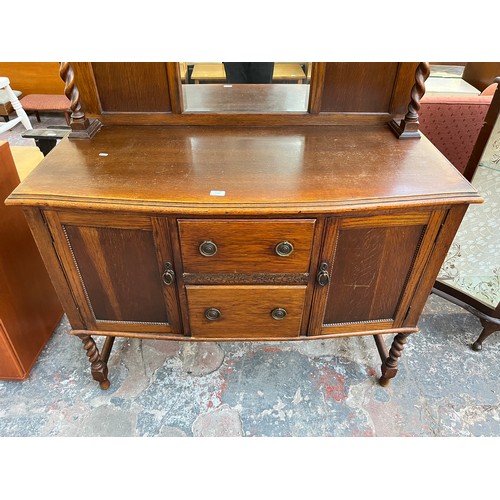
<point>92,92</point>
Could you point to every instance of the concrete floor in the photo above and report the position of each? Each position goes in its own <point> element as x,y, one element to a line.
<point>303,388</point>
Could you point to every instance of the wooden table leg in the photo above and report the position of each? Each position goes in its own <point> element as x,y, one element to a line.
<point>488,329</point>
<point>98,367</point>
<point>390,365</point>
<point>106,348</point>
<point>381,347</point>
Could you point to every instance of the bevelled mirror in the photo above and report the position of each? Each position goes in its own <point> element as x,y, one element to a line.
<point>235,87</point>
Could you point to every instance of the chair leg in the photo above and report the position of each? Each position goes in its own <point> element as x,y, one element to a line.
<point>37,114</point>
<point>488,329</point>
<point>18,108</point>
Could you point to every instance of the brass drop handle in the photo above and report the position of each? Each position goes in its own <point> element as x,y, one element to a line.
<point>323,278</point>
<point>212,314</point>
<point>279,313</point>
<point>284,249</point>
<point>208,248</point>
<point>168,275</point>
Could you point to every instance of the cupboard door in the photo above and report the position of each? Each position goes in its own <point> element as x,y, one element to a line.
<point>373,264</point>
<point>115,265</point>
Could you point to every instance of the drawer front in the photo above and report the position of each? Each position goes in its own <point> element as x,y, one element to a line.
<point>258,311</point>
<point>263,246</point>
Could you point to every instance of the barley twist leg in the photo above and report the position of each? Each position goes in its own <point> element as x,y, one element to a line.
<point>390,365</point>
<point>98,368</point>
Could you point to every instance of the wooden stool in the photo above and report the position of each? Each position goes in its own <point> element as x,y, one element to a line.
<point>46,102</point>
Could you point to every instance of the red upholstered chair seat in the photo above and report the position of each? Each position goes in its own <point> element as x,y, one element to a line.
<point>452,124</point>
<point>45,102</point>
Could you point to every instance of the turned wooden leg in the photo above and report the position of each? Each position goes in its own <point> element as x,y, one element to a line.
<point>106,348</point>
<point>98,366</point>
<point>390,365</point>
<point>488,329</point>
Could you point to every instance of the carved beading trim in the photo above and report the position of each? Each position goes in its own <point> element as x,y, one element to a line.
<point>330,266</point>
<point>251,278</point>
<point>360,322</point>
<point>127,322</point>
<point>78,272</point>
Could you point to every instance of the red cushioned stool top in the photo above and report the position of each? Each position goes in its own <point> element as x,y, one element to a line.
<point>45,102</point>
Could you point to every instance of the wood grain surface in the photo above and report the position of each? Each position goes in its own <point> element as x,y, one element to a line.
<point>245,310</point>
<point>258,170</point>
<point>246,246</point>
<point>29,307</point>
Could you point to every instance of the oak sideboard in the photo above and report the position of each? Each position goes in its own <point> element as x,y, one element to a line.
<point>198,228</point>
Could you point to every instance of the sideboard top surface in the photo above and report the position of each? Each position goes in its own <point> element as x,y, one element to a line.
<point>238,169</point>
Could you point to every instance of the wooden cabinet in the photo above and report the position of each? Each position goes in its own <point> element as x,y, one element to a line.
<point>250,278</point>
<point>245,226</point>
<point>302,253</point>
<point>29,307</point>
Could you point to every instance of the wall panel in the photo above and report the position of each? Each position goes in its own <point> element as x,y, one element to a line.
<point>133,87</point>
<point>358,87</point>
<point>33,77</point>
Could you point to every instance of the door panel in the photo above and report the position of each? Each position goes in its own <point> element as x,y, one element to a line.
<point>115,270</point>
<point>120,273</point>
<point>370,268</point>
<point>375,264</point>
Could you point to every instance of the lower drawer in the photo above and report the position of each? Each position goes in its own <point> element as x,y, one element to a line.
<point>246,311</point>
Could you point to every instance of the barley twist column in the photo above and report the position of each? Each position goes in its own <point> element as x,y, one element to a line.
<point>82,127</point>
<point>408,128</point>
<point>71,90</point>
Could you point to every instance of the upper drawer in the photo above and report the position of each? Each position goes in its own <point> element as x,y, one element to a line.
<point>246,246</point>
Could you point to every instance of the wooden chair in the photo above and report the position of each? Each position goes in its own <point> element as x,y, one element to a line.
<point>21,114</point>
<point>453,122</point>
<point>5,105</point>
<point>470,275</point>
